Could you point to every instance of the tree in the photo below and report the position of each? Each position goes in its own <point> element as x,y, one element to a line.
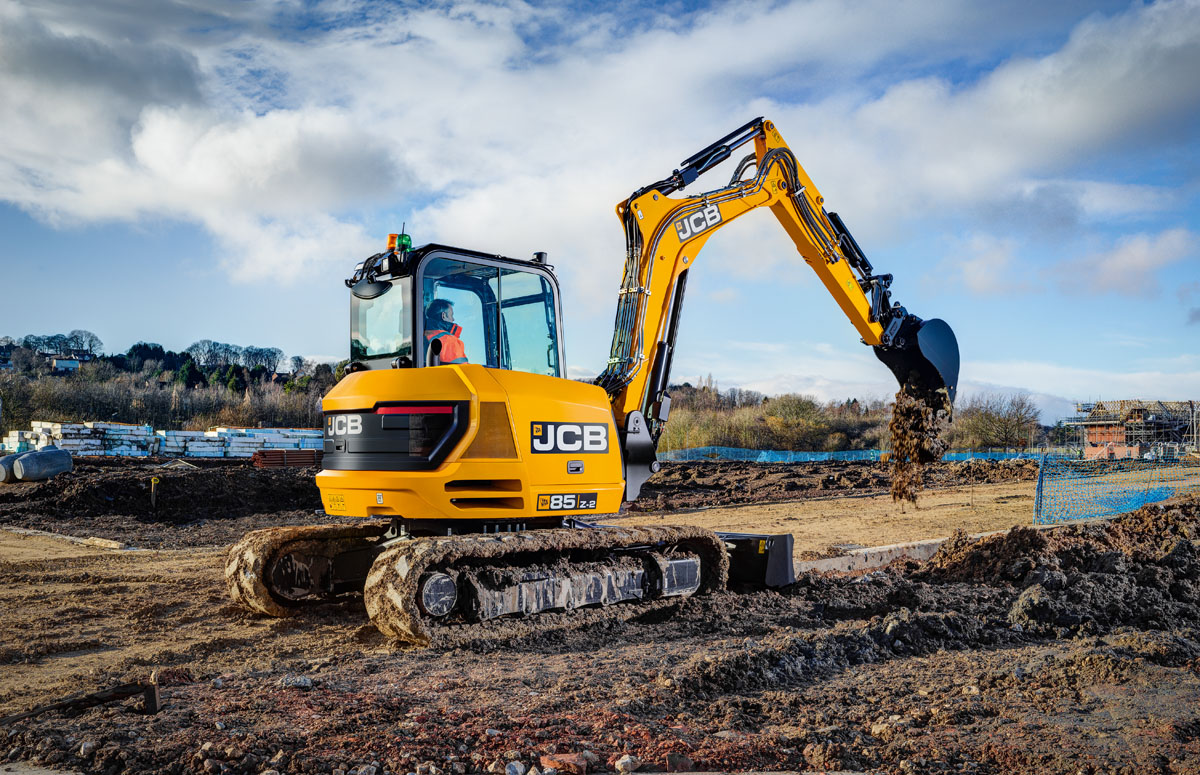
<point>33,342</point>
<point>189,376</point>
<point>85,341</point>
<point>995,420</point>
<point>203,352</point>
<point>323,378</point>
<point>236,381</point>
<point>298,364</point>
<point>141,352</point>
<point>227,354</point>
<point>28,361</point>
<point>267,357</point>
<point>58,344</point>
<point>271,356</point>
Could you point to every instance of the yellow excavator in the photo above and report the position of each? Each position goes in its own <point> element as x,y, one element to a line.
<point>482,467</point>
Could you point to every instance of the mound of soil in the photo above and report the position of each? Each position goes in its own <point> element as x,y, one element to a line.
<point>109,499</point>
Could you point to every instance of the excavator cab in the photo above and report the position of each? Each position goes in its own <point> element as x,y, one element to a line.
<point>504,313</point>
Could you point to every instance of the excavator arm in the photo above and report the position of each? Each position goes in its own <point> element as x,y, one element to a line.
<point>664,236</point>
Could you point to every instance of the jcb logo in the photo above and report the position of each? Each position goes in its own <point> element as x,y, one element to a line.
<point>585,437</point>
<point>343,424</point>
<point>690,225</point>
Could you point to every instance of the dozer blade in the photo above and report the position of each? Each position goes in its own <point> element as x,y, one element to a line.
<point>925,360</point>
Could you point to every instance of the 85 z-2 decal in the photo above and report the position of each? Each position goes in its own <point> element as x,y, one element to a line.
<point>569,437</point>
<point>571,501</point>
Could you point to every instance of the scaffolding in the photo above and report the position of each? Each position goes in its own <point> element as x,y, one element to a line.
<point>1166,428</point>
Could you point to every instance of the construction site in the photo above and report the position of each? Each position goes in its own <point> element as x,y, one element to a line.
<point>1068,650</point>
<point>482,565</point>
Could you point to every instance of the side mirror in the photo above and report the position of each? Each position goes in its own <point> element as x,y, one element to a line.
<point>367,289</point>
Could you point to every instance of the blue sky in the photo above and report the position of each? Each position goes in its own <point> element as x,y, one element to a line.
<point>173,171</point>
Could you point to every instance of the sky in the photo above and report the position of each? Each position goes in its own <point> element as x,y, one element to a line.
<point>176,170</point>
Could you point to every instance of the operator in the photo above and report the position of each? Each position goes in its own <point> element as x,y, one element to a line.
<point>440,325</point>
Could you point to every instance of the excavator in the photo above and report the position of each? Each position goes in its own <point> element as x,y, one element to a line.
<point>477,469</point>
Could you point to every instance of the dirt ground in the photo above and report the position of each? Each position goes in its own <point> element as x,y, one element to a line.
<point>1076,650</point>
<point>828,526</point>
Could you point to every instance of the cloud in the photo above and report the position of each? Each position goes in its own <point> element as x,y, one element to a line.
<point>1087,383</point>
<point>984,265</point>
<point>512,128</point>
<point>1118,86</point>
<point>1130,268</point>
<point>1193,315</point>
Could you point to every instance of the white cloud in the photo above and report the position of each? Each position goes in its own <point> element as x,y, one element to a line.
<point>525,146</point>
<point>1087,383</point>
<point>984,264</point>
<point>1130,268</point>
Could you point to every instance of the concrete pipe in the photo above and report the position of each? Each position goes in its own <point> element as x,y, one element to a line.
<point>43,464</point>
<point>7,474</point>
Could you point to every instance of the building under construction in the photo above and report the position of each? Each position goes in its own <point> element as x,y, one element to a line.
<point>1127,428</point>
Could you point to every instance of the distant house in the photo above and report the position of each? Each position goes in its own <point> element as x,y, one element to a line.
<point>1135,423</point>
<point>6,366</point>
<point>64,365</point>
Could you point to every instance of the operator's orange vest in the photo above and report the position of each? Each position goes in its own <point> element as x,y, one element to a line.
<point>453,350</point>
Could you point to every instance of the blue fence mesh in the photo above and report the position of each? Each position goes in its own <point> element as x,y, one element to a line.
<point>785,456</point>
<point>1080,489</point>
<point>764,455</point>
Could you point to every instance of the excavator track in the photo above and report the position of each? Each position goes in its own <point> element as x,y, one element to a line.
<point>254,561</point>
<point>538,572</point>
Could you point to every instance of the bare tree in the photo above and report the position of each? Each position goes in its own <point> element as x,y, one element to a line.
<point>86,341</point>
<point>203,352</point>
<point>271,356</point>
<point>58,344</point>
<point>997,420</point>
<point>228,354</point>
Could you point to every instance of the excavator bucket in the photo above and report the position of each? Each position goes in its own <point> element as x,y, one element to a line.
<point>926,360</point>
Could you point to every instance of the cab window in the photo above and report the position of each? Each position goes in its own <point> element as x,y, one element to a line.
<point>382,327</point>
<point>507,315</point>
<point>468,288</point>
<point>529,331</point>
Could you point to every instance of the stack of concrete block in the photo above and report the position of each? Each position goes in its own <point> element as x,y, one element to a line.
<point>74,437</point>
<point>244,442</point>
<point>19,441</point>
<point>180,443</point>
<point>107,438</point>
<point>126,440</point>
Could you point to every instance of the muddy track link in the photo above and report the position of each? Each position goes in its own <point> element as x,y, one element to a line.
<point>391,589</point>
<point>248,563</point>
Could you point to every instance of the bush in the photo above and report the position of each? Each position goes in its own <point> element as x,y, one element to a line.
<point>127,398</point>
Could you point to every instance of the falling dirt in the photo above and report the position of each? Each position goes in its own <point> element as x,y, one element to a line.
<point>918,421</point>
<point>1063,651</point>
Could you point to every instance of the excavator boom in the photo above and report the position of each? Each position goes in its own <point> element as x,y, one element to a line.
<point>664,236</point>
